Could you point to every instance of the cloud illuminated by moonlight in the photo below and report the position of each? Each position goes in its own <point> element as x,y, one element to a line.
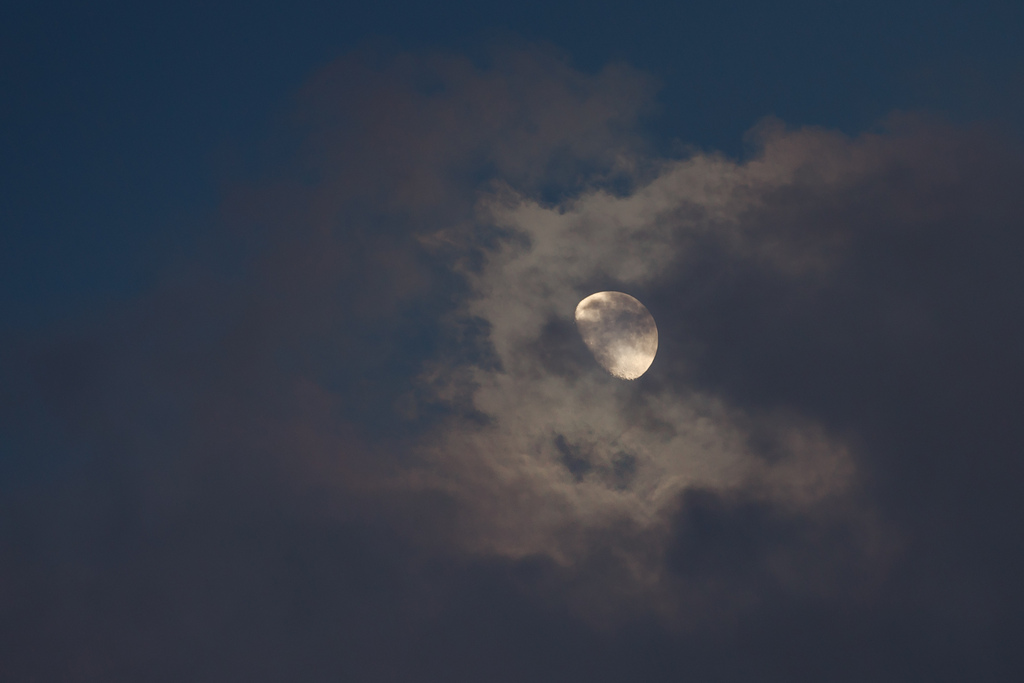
<point>567,451</point>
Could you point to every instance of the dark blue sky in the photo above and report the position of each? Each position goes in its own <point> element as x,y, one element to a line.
<point>118,119</point>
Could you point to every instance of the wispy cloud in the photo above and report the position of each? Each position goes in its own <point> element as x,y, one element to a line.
<point>367,405</point>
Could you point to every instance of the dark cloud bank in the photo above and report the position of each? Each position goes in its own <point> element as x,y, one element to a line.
<point>359,439</point>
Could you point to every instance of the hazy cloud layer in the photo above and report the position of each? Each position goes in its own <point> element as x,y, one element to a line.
<point>359,437</point>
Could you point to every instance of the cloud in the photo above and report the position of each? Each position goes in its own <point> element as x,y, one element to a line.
<point>360,436</point>
<point>565,454</point>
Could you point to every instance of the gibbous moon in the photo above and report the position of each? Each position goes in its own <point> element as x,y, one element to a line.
<point>619,331</point>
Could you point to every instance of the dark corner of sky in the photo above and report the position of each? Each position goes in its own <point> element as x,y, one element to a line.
<point>291,387</point>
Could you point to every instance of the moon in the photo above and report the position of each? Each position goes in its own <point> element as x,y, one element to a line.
<point>619,331</point>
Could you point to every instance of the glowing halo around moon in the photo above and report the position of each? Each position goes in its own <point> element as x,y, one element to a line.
<point>619,331</point>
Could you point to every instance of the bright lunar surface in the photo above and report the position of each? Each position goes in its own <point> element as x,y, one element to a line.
<point>619,331</point>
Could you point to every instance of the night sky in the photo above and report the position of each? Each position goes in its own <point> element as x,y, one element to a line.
<point>291,389</point>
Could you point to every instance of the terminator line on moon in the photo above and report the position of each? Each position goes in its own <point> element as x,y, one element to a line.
<point>619,331</point>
